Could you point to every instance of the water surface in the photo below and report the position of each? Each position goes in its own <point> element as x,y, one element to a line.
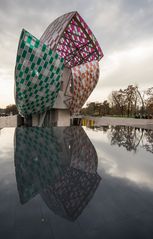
<point>73,182</point>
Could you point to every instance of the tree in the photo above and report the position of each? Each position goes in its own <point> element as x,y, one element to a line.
<point>90,108</point>
<point>11,109</point>
<point>105,108</point>
<point>149,102</point>
<point>131,99</point>
<point>97,108</point>
<point>127,101</point>
<point>118,101</point>
<point>124,102</point>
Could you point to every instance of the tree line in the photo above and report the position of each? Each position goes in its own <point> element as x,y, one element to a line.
<point>128,102</point>
<point>9,110</point>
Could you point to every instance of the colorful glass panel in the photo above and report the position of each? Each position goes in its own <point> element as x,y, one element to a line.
<point>38,75</point>
<point>72,39</point>
<point>84,79</point>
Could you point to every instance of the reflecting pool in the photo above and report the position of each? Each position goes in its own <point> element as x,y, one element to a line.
<point>74,182</point>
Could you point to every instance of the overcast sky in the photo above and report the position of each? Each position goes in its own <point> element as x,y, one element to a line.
<point>124,29</point>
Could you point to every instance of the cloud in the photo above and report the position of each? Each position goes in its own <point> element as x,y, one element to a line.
<point>132,65</point>
<point>117,162</point>
<point>119,25</point>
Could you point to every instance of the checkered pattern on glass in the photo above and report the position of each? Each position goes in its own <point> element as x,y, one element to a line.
<point>71,193</point>
<point>39,168</point>
<point>83,154</point>
<point>78,45</point>
<point>73,40</point>
<point>37,160</point>
<point>38,75</point>
<point>54,31</point>
<point>85,78</point>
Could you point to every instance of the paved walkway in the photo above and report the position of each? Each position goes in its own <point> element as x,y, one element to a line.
<point>10,121</point>
<point>140,123</point>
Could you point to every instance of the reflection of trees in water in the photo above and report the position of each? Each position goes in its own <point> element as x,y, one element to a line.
<point>103,128</point>
<point>148,145</point>
<point>129,137</point>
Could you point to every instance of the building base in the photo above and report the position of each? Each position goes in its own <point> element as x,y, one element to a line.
<point>53,117</point>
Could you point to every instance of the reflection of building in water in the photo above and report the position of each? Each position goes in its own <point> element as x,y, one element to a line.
<point>71,193</point>
<point>60,164</point>
<point>83,154</point>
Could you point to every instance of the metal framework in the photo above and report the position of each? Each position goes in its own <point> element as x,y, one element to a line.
<point>67,45</point>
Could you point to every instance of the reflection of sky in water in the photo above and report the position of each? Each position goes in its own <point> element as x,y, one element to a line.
<point>136,167</point>
<point>6,143</point>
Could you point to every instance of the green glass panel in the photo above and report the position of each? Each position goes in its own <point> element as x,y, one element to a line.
<point>52,75</point>
<point>18,58</point>
<point>31,57</point>
<point>41,82</point>
<point>21,74</point>
<point>19,66</point>
<point>33,73</point>
<point>36,43</point>
<point>40,76</point>
<point>51,60</point>
<point>29,39</point>
<point>44,48</point>
<point>39,68</point>
<point>57,71</point>
<point>22,45</point>
<point>45,56</point>
<point>21,81</point>
<point>51,68</point>
<point>24,53</point>
<point>46,79</point>
<point>32,65</point>
<point>45,65</point>
<point>39,60</point>
<point>31,86</point>
<point>26,70</point>
<point>58,77</point>
<point>50,52</point>
<point>30,50</point>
